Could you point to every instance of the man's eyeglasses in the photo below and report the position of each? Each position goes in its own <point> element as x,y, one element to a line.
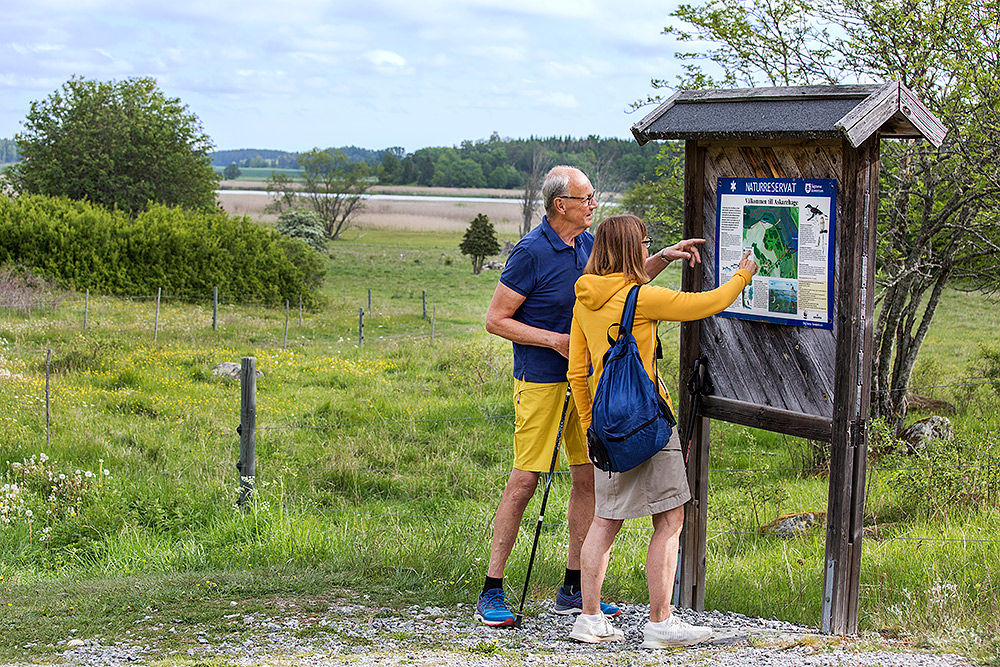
<point>647,243</point>
<point>588,200</point>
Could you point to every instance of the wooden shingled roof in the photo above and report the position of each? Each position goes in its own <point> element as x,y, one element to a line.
<point>854,112</point>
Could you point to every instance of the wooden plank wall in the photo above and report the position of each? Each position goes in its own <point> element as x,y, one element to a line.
<point>785,367</point>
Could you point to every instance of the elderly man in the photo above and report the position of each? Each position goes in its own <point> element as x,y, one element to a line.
<point>533,308</point>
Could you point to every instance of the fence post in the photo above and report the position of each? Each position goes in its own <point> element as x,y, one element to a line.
<point>361,326</point>
<point>425,303</point>
<point>86,307</point>
<point>215,307</point>
<point>284,343</point>
<point>156,322</point>
<point>48,399</point>
<point>247,465</point>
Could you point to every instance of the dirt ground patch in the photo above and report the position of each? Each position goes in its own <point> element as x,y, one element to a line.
<point>333,631</point>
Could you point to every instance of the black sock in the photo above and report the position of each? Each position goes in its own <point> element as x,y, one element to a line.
<point>492,583</point>
<point>572,580</point>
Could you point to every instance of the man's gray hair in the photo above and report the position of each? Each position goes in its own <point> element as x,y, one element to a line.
<point>555,185</point>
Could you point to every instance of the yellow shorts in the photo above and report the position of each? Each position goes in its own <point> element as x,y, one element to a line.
<point>537,408</point>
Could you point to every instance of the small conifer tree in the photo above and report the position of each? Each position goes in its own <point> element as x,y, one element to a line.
<point>480,241</point>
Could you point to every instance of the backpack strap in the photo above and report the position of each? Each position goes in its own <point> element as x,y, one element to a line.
<point>628,315</point>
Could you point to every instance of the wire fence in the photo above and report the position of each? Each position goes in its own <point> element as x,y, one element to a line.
<point>349,319</point>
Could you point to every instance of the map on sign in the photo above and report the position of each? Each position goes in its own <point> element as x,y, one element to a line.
<point>786,224</point>
<point>772,232</point>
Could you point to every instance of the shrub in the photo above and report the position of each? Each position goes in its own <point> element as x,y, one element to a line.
<point>80,245</point>
<point>304,225</point>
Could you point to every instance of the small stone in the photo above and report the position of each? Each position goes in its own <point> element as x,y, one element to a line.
<point>75,642</point>
<point>231,369</point>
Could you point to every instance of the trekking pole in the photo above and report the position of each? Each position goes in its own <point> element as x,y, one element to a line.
<point>541,512</point>
<point>699,384</point>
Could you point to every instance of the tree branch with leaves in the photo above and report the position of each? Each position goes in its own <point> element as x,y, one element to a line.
<point>939,216</point>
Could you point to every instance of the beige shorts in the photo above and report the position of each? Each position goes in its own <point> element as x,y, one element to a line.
<point>658,485</point>
<point>537,407</point>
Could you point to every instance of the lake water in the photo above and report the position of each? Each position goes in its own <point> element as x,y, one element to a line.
<point>413,198</point>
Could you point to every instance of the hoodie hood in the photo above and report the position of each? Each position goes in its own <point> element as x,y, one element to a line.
<point>594,291</point>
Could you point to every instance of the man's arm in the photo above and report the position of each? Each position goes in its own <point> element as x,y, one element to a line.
<point>686,249</point>
<point>500,321</point>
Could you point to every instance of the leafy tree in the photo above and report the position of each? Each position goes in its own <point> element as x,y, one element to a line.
<point>480,241</point>
<point>303,225</point>
<point>392,170</point>
<point>939,219</point>
<point>660,201</point>
<point>331,186</point>
<point>8,151</point>
<point>120,144</point>
<point>232,172</point>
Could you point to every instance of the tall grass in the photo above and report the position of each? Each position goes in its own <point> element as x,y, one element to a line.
<point>379,467</point>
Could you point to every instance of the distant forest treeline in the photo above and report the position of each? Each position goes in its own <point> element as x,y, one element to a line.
<point>612,164</point>
<point>8,151</point>
<point>257,157</point>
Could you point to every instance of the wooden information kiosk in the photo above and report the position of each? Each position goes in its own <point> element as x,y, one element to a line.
<point>806,377</point>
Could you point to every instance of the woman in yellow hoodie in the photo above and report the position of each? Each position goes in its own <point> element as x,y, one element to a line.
<point>658,487</point>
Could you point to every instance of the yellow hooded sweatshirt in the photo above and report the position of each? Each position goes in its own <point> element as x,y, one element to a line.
<point>599,304</point>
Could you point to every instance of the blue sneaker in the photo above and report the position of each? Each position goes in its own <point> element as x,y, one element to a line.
<point>491,609</point>
<point>571,602</point>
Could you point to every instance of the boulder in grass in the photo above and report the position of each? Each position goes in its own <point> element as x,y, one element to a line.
<point>231,370</point>
<point>919,403</point>
<point>919,433</point>
<point>793,525</point>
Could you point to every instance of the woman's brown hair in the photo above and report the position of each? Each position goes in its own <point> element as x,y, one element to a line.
<point>618,248</point>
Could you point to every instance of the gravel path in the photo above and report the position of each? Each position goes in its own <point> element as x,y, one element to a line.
<point>364,635</point>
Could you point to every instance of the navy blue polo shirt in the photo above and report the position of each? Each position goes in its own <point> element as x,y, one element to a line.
<point>544,270</point>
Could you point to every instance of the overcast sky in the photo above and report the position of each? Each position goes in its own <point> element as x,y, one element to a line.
<point>298,74</point>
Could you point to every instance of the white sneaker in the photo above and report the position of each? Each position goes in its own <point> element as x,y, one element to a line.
<point>594,629</point>
<point>673,632</point>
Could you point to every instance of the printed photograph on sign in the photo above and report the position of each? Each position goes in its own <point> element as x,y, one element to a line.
<point>787,225</point>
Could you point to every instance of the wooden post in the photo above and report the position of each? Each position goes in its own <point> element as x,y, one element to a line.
<point>691,562</point>
<point>425,303</point>
<point>284,343</point>
<point>48,399</point>
<point>156,322</point>
<point>247,465</point>
<point>852,383</point>
<point>86,307</point>
<point>361,326</point>
<point>215,307</point>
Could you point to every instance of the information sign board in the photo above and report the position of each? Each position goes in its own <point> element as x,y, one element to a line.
<point>787,224</point>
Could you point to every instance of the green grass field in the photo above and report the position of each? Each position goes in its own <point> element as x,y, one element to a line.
<point>379,467</point>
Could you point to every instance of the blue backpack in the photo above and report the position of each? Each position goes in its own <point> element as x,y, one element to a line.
<point>631,422</point>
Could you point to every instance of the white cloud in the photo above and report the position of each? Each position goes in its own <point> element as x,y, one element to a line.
<point>558,100</point>
<point>566,70</point>
<point>387,62</point>
<point>33,49</point>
